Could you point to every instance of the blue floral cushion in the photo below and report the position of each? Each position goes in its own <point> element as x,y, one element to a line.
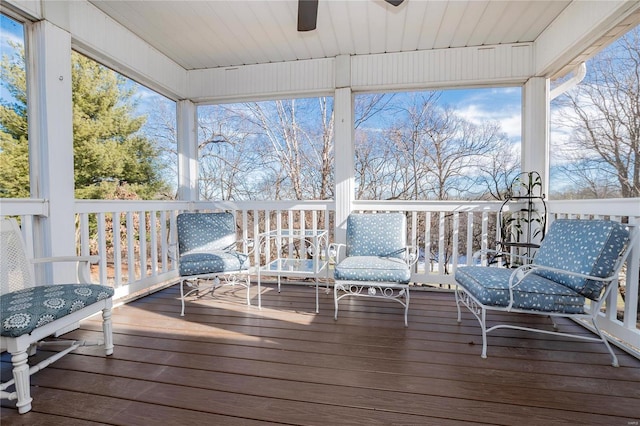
<point>490,286</point>
<point>24,310</point>
<point>373,268</point>
<point>589,247</point>
<point>206,231</point>
<point>197,263</point>
<point>379,234</point>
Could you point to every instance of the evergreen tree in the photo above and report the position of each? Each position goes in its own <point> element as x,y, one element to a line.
<point>109,150</point>
<point>14,150</point>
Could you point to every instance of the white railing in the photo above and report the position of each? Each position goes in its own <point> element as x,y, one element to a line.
<point>137,256</point>
<point>28,213</point>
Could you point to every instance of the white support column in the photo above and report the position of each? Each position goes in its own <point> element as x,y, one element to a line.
<point>344,160</point>
<point>51,140</point>
<point>535,129</point>
<point>187,151</point>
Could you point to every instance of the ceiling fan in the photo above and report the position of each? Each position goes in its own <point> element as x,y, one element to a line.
<point>308,13</point>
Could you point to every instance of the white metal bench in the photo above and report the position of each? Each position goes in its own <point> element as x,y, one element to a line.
<point>577,261</point>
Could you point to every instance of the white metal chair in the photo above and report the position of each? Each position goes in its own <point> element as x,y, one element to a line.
<point>378,260</point>
<point>31,312</point>
<point>207,252</point>
<point>577,261</point>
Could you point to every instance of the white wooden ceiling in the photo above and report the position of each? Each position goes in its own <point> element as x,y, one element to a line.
<point>201,34</point>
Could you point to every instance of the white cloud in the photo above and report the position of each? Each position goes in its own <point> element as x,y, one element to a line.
<point>510,120</point>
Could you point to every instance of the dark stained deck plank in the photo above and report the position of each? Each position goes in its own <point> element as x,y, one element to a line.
<point>226,363</point>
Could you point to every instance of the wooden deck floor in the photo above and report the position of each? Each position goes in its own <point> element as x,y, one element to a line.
<point>227,364</point>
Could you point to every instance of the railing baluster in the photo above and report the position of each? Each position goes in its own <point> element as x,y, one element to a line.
<point>102,247</point>
<point>85,250</point>
<point>245,231</point>
<point>470,238</point>
<point>256,232</point>
<point>117,250</point>
<point>290,226</point>
<point>632,282</point>
<point>456,234</point>
<point>485,239</point>
<point>153,242</point>
<point>427,244</point>
<point>441,237</point>
<point>163,240</point>
<point>131,255</point>
<point>142,240</point>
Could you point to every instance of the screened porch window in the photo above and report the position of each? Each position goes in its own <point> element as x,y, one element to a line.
<point>269,150</point>
<point>14,126</point>
<point>437,145</point>
<point>124,136</point>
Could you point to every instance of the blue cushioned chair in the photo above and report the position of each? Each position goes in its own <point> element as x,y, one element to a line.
<point>30,312</point>
<point>578,260</point>
<point>377,260</point>
<point>207,252</point>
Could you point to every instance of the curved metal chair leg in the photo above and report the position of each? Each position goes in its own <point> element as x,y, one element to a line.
<point>614,358</point>
<point>458,305</point>
<point>483,325</point>
<point>182,297</point>
<point>406,307</point>
<point>335,301</point>
<point>248,284</point>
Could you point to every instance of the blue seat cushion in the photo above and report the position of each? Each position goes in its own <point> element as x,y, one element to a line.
<point>24,310</point>
<point>373,268</point>
<point>589,247</point>
<point>211,262</point>
<point>490,286</point>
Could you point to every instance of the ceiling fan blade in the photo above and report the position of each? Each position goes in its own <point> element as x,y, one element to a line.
<point>307,14</point>
<point>394,2</point>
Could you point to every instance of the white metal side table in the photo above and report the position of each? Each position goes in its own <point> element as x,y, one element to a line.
<point>311,243</point>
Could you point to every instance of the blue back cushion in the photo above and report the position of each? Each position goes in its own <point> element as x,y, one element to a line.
<point>589,247</point>
<point>376,234</point>
<point>206,232</point>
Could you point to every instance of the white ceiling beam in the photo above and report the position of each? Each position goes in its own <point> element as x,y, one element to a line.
<point>581,25</point>
<point>97,35</point>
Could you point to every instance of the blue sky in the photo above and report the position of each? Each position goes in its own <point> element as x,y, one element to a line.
<point>502,104</point>
<point>10,31</point>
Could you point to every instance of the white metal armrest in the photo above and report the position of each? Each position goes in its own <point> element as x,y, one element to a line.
<point>172,252</point>
<point>525,270</point>
<point>496,253</point>
<point>248,243</point>
<point>520,273</point>
<point>89,259</point>
<point>333,251</point>
<point>84,273</point>
<point>411,255</point>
